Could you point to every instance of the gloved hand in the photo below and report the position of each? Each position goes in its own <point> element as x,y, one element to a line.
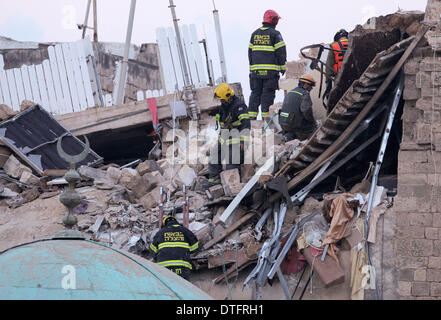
<point>283,72</point>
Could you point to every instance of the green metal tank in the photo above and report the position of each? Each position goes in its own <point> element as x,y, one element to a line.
<point>78,269</point>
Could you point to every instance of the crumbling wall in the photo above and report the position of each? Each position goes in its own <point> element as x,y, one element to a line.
<point>144,73</point>
<point>417,244</point>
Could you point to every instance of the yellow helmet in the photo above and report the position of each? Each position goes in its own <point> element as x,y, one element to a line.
<point>306,78</point>
<point>223,92</point>
<point>167,218</point>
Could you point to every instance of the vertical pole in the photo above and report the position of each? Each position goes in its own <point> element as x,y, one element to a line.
<point>161,208</point>
<point>210,78</point>
<point>86,19</point>
<point>185,220</point>
<point>95,22</point>
<point>123,73</point>
<point>180,48</point>
<point>220,45</point>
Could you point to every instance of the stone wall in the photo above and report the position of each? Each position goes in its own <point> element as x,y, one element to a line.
<point>417,244</point>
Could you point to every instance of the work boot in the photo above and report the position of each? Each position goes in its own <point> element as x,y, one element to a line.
<point>211,182</point>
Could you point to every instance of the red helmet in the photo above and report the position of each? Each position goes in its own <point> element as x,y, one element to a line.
<point>271,16</point>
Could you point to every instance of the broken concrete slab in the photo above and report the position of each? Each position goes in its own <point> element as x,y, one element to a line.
<point>5,152</point>
<point>151,199</point>
<point>8,193</point>
<point>91,173</point>
<point>187,175</point>
<point>14,168</point>
<point>6,112</point>
<point>113,174</point>
<point>148,166</point>
<point>230,180</point>
<point>28,178</point>
<point>217,191</point>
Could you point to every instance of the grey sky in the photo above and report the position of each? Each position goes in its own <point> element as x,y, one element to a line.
<point>303,22</point>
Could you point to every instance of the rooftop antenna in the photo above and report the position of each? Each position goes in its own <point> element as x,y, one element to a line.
<point>188,88</point>
<point>84,26</point>
<point>122,76</point>
<point>220,45</point>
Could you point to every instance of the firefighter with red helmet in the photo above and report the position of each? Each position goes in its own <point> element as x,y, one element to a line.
<point>267,58</point>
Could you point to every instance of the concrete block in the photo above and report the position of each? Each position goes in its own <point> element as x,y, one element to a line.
<point>187,175</point>
<point>412,262</point>
<point>28,178</point>
<point>421,219</point>
<point>113,174</point>
<point>432,233</point>
<point>140,186</point>
<point>420,289</point>
<point>420,275</point>
<point>151,199</point>
<point>230,180</point>
<point>404,288</point>
<point>434,263</point>
<point>406,275</point>
<point>414,247</point>
<point>434,275</point>
<point>435,289</point>
<point>147,167</point>
<point>5,152</point>
<point>92,173</point>
<point>217,191</point>
<point>14,168</point>
<point>127,174</point>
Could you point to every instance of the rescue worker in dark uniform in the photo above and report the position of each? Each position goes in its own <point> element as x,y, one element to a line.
<point>267,57</point>
<point>172,246</point>
<point>233,120</point>
<point>296,117</point>
<point>335,59</point>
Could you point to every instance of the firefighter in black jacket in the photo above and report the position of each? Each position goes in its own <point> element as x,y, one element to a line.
<point>233,119</point>
<point>296,117</point>
<point>172,246</point>
<point>267,57</point>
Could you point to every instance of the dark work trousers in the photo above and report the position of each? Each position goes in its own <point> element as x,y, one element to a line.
<point>220,152</point>
<point>263,93</point>
<point>298,134</point>
<point>181,271</point>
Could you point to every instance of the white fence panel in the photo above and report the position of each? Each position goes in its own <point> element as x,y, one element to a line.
<point>73,56</point>
<point>15,104</point>
<point>4,86</point>
<point>69,105</point>
<point>42,86</point>
<point>50,87</point>
<point>26,83</point>
<point>19,85</point>
<point>36,97</point>
<point>71,78</point>
<point>85,73</point>
<point>57,80</point>
<point>202,73</point>
<point>176,61</point>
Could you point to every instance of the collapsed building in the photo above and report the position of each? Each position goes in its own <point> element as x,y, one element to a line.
<point>351,213</point>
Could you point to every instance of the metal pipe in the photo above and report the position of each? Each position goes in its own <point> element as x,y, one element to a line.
<point>89,2</point>
<point>220,45</point>
<point>161,208</point>
<point>185,220</point>
<point>124,66</point>
<point>180,48</point>
<point>95,22</point>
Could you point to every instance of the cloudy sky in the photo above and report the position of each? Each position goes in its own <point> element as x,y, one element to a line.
<point>303,22</point>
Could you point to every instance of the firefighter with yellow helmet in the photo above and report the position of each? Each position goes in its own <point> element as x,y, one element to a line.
<point>234,123</point>
<point>296,117</point>
<point>172,246</point>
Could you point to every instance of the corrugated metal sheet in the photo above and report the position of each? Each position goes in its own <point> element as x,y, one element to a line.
<point>33,136</point>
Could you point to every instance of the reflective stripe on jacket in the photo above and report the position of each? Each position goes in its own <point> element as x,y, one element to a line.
<point>341,45</point>
<point>267,52</point>
<point>173,244</point>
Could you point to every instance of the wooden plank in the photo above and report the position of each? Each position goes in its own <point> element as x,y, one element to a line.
<point>85,74</point>
<point>42,88</point>
<point>50,87</point>
<point>4,86</point>
<point>19,85</point>
<point>67,98</point>
<point>15,104</point>
<point>337,143</point>
<point>233,227</point>
<point>61,105</point>
<point>73,55</point>
<point>71,77</point>
<point>34,84</point>
<point>26,82</point>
